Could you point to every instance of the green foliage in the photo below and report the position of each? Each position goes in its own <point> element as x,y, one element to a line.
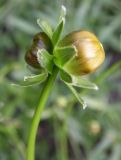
<point>46,60</point>
<point>67,132</point>
<point>63,55</point>
<point>45,27</point>
<point>31,80</point>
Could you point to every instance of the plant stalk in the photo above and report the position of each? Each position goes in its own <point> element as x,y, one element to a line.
<point>37,115</point>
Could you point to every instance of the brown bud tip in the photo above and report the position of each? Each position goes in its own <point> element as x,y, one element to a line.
<point>90,52</point>
<point>40,41</point>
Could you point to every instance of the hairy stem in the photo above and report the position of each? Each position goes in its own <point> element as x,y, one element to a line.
<point>37,115</point>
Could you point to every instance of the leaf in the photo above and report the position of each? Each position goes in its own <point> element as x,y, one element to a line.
<point>83,83</point>
<point>77,95</point>
<point>64,54</point>
<point>45,26</point>
<point>45,59</point>
<point>57,33</point>
<point>63,12</point>
<point>65,77</point>
<point>31,80</point>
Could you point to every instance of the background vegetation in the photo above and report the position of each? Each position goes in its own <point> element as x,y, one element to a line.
<point>67,132</point>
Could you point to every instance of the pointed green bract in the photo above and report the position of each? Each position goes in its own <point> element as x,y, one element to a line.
<point>77,95</point>
<point>31,80</point>
<point>77,81</point>
<point>64,54</point>
<point>65,77</point>
<point>63,12</point>
<point>45,26</point>
<point>83,83</point>
<point>57,33</point>
<point>45,59</point>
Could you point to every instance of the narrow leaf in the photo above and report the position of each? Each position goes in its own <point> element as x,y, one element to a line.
<point>45,59</point>
<point>83,83</point>
<point>31,80</point>
<point>64,54</point>
<point>45,26</point>
<point>77,96</point>
<point>63,12</point>
<point>65,77</point>
<point>57,33</point>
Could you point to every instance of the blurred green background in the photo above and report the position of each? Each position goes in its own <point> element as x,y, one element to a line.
<point>66,132</point>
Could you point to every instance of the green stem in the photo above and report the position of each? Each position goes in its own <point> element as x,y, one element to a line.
<point>37,115</point>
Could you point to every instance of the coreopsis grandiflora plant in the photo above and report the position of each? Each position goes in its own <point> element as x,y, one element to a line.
<point>78,53</point>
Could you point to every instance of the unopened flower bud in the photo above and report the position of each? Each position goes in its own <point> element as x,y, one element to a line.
<point>90,53</point>
<point>40,41</point>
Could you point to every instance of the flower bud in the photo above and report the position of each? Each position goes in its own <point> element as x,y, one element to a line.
<point>90,53</point>
<point>40,41</point>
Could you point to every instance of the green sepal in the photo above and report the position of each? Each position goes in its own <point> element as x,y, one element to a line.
<point>64,54</point>
<point>65,77</point>
<point>45,27</point>
<point>77,81</point>
<point>83,83</point>
<point>77,95</point>
<point>45,59</point>
<point>32,80</point>
<point>57,33</point>
<point>63,12</point>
